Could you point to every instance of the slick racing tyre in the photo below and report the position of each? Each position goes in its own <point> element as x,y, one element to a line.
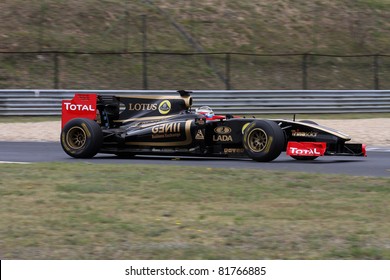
<point>263,140</point>
<point>81,138</point>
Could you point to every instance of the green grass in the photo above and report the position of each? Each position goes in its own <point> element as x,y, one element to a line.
<point>88,211</point>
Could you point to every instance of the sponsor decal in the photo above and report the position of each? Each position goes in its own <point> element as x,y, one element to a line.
<point>306,148</point>
<point>142,107</point>
<point>199,135</point>
<point>223,130</point>
<point>222,138</point>
<point>233,150</point>
<point>185,132</point>
<point>167,130</point>
<point>78,107</point>
<point>298,133</point>
<point>164,107</point>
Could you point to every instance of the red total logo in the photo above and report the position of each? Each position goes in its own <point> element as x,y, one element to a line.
<point>306,148</point>
<point>305,152</point>
<point>78,107</point>
<point>81,106</point>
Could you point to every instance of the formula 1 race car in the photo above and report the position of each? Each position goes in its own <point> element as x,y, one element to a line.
<point>166,125</point>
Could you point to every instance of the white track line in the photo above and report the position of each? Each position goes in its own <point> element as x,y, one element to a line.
<point>15,162</point>
<point>378,149</point>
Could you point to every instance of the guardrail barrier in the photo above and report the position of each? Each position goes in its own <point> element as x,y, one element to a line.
<point>244,102</point>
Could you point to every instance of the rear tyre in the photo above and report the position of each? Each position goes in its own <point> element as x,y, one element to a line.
<point>263,140</point>
<point>81,138</point>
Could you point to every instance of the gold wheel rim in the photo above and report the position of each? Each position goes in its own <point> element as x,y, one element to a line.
<point>76,138</point>
<point>257,140</point>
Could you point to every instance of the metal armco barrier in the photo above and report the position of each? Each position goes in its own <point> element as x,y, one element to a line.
<point>244,102</point>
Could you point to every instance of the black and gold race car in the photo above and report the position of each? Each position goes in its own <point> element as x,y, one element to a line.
<point>167,125</point>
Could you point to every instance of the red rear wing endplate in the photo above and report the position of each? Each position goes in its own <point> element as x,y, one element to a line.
<point>83,105</point>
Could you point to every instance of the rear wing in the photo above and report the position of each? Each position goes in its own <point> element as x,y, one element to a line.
<point>117,110</point>
<point>83,105</point>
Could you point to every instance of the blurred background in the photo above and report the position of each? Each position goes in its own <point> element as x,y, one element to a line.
<point>210,44</point>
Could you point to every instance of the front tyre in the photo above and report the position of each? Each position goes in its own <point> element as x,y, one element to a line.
<point>81,138</point>
<point>263,140</point>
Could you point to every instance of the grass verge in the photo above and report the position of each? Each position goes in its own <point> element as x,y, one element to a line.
<point>86,211</point>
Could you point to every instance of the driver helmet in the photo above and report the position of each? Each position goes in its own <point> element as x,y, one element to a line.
<point>206,111</point>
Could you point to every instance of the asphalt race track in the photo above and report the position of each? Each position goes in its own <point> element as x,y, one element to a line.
<point>376,164</point>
